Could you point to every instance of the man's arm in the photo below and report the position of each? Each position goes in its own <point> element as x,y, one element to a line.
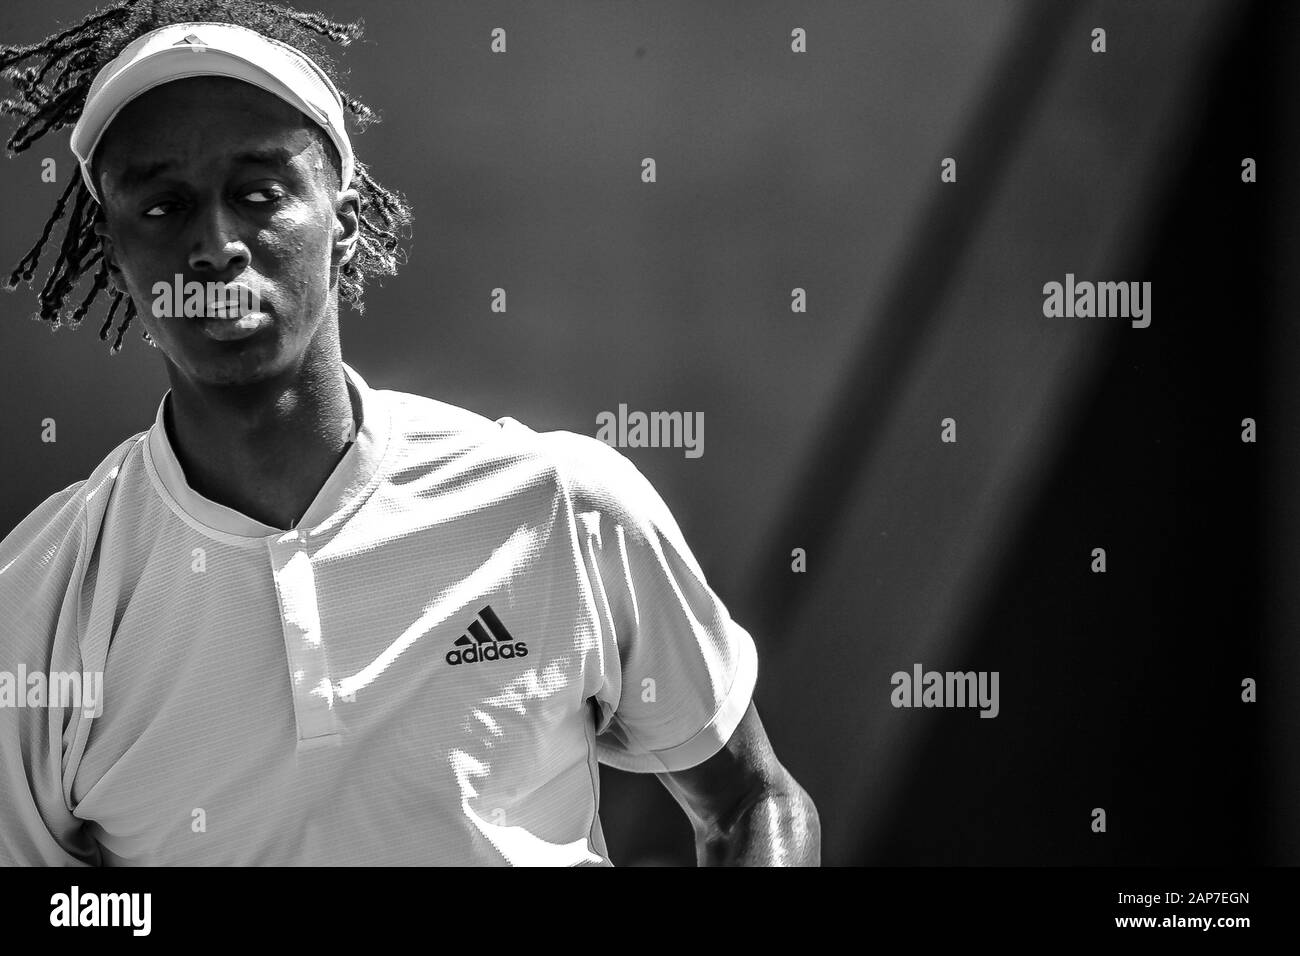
<point>39,562</point>
<point>745,807</point>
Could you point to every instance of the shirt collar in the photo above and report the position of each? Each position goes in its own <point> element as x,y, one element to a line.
<point>343,492</point>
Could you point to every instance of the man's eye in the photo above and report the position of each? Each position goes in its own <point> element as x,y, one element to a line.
<point>158,209</point>
<point>262,196</point>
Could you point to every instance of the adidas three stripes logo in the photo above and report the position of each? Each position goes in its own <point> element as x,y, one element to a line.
<point>486,640</point>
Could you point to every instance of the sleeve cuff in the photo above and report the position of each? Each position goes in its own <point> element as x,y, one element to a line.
<point>710,739</point>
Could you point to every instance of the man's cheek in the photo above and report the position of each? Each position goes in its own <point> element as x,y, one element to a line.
<point>142,269</point>
<point>301,280</point>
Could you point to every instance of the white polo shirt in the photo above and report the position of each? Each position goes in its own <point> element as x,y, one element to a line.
<point>467,619</point>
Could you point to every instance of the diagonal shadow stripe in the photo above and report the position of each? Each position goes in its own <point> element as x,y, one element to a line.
<point>875,375</point>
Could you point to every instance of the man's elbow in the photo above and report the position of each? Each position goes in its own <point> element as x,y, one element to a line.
<point>801,828</point>
<point>779,827</point>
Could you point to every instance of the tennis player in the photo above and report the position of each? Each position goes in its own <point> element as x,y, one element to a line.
<point>331,623</point>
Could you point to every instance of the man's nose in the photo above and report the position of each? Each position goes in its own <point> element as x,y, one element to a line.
<point>215,243</point>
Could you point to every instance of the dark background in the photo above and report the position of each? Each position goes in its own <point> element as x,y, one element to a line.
<point>821,171</point>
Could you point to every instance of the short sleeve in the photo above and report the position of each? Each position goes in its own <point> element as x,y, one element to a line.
<point>39,561</point>
<point>676,672</point>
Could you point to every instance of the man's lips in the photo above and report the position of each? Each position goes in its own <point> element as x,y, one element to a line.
<point>222,311</point>
<point>236,327</point>
<point>231,301</point>
<point>232,311</point>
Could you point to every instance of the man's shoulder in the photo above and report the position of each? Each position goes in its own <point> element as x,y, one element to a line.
<point>436,429</point>
<point>596,476</point>
<point>68,512</point>
<point>43,555</point>
<point>51,518</point>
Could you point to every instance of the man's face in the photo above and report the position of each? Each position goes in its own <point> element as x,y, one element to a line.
<point>214,180</point>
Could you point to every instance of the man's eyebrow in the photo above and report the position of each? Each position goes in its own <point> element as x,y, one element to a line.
<point>271,156</point>
<point>141,173</point>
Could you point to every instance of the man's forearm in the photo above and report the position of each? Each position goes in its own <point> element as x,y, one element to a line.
<point>779,827</point>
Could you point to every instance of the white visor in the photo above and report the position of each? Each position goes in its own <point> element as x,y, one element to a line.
<point>209,49</point>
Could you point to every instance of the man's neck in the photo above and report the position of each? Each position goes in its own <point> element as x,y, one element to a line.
<point>266,449</point>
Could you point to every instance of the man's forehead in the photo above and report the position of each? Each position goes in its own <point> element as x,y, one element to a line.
<point>167,128</point>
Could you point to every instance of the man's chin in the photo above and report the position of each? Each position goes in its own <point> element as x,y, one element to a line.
<point>237,360</point>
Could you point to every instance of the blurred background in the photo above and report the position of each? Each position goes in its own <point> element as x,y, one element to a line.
<point>821,171</point>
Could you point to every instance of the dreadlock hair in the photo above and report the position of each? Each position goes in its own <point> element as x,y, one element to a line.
<point>52,79</point>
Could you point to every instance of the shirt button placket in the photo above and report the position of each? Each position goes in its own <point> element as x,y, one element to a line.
<point>309,678</point>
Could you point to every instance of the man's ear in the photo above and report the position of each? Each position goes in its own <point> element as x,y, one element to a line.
<point>347,226</point>
<point>116,281</point>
